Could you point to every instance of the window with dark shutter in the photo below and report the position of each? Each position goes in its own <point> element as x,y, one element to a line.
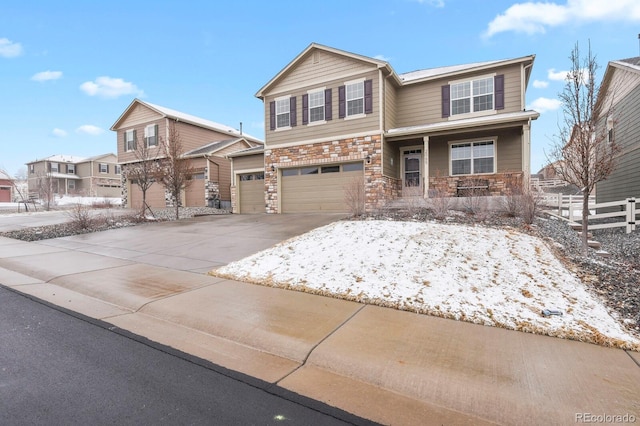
<point>368,96</point>
<point>292,111</point>
<point>342,102</point>
<point>499,89</point>
<point>272,115</point>
<point>305,109</point>
<point>446,101</point>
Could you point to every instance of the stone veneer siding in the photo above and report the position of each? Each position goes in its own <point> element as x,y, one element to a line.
<point>330,152</point>
<point>499,183</point>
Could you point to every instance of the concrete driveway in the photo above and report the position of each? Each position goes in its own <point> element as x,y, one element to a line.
<point>198,244</point>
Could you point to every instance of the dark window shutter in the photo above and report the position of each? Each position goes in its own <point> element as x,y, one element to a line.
<point>272,115</point>
<point>124,138</point>
<point>342,102</point>
<point>107,168</point>
<point>292,111</point>
<point>446,101</point>
<point>305,109</point>
<point>327,104</point>
<point>135,140</point>
<point>368,96</point>
<point>156,136</point>
<point>498,85</point>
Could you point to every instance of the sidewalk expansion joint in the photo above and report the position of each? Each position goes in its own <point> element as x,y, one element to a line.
<point>313,348</point>
<point>633,359</point>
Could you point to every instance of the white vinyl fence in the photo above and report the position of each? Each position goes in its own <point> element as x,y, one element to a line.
<point>623,213</point>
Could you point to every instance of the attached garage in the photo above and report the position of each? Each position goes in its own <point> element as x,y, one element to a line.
<point>155,196</point>
<point>251,192</point>
<point>5,194</point>
<point>195,193</point>
<point>319,188</point>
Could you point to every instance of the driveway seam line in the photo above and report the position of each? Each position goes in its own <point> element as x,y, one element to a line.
<point>306,358</point>
<point>632,358</point>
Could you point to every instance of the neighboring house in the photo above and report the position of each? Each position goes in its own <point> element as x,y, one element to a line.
<point>619,101</point>
<point>97,176</point>
<point>205,145</point>
<point>6,188</point>
<point>337,120</point>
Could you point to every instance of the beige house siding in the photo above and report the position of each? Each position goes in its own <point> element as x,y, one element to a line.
<point>336,127</point>
<point>390,105</point>
<point>421,103</point>
<point>248,162</point>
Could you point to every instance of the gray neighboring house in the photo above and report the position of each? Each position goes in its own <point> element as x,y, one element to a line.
<point>620,92</point>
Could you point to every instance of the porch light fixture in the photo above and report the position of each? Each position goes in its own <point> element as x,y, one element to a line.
<point>368,159</point>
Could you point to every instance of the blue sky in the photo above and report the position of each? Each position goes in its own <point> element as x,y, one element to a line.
<point>69,69</point>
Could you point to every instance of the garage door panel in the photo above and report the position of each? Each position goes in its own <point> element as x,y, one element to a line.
<point>251,194</point>
<point>194,194</point>
<point>317,192</point>
<point>155,197</point>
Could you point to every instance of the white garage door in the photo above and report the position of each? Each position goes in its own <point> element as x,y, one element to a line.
<point>251,188</point>
<point>319,188</point>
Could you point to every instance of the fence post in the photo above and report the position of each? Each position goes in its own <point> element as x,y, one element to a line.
<point>571,207</point>
<point>631,215</point>
<point>560,204</point>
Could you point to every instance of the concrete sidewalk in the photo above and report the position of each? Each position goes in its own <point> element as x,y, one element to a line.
<point>389,366</point>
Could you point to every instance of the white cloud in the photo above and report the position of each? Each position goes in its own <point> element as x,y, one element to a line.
<point>89,129</point>
<point>107,87</point>
<point>536,17</point>
<point>539,84</point>
<point>545,104</point>
<point>47,75</point>
<point>9,49</point>
<point>554,75</point>
<point>381,58</point>
<point>59,133</point>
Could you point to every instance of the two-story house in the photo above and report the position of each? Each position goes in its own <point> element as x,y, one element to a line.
<point>97,176</point>
<point>619,106</point>
<point>205,144</point>
<point>335,118</point>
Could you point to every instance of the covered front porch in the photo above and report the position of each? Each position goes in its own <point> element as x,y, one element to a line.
<point>434,161</point>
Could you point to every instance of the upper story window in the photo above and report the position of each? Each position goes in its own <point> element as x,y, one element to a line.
<point>316,106</point>
<point>610,130</point>
<point>118,169</point>
<point>473,158</point>
<point>473,96</point>
<point>103,167</point>
<point>355,98</point>
<point>54,167</point>
<point>130,140</point>
<point>151,135</point>
<point>283,115</point>
<point>32,168</point>
<point>71,169</point>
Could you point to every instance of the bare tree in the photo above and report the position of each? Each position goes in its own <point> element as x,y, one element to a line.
<point>44,185</point>
<point>144,171</point>
<point>175,172</point>
<point>582,153</point>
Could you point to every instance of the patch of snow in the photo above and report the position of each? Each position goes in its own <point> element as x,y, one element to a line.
<point>70,200</point>
<point>496,277</point>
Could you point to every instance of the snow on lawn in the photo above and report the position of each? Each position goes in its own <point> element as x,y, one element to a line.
<point>496,277</point>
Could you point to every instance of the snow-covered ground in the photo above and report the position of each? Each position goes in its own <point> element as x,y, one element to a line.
<point>496,277</point>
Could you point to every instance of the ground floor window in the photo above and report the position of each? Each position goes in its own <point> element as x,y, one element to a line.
<point>470,158</point>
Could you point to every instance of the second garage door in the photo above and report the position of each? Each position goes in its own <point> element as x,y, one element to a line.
<point>251,187</point>
<point>154,197</point>
<point>319,188</point>
<point>194,194</point>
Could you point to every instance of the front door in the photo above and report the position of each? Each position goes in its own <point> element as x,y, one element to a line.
<point>412,173</point>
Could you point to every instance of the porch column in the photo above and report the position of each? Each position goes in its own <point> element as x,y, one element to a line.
<point>425,161</point>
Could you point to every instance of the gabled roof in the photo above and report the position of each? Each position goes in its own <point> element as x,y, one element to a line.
<point>451,71</point>
<point>213,147</point>
<point>191,119</point>
<point>315,46</point>
<point>99,157</point>
<point>5,176</point>
<point>59,158</point>
<point>634,62</point>
<point>629,64</point>
<point>405,78</point>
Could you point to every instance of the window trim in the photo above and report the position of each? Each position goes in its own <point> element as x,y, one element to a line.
<point>321,90</point>
<point>348,116</point>
<point>493,139</point>
<point>147,137</point>
<point>71,169</point>
<point>57,168</point>
<point>106,166</point>
<point>287,101</point>
<point>130,145</point>
<point>471,113</point>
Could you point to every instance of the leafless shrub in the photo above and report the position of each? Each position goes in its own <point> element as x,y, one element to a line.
<point>80,217</point>
<point>440,203</point>
<point>512,200</point>
<point>474,202</point>
<point>412,201</point>
<point>354,196</point>
<point>104,203</point>
<point>529,202</point>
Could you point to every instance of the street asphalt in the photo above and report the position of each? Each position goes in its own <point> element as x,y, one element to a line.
<point>385,365</point>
